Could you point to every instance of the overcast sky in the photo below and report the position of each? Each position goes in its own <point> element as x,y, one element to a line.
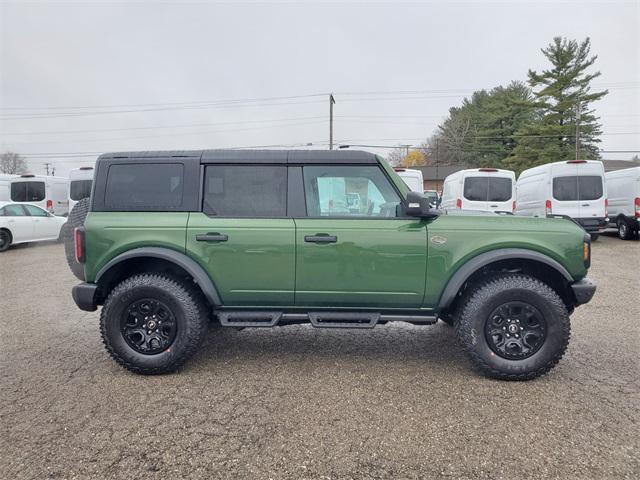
<point>89,77</point>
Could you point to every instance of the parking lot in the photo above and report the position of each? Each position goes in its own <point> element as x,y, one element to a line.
<point>398,401</point>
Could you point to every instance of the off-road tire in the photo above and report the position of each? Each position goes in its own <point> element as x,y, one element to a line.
<point>5,240</point>
<point>76,219</point>
<point>497,290</point>
<point>625,232</point>
<point>184,301</point>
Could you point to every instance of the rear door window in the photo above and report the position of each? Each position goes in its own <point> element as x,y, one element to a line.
<point>589,187</point>
<point>28,191</point>
<point>79,189</point>
<point>488,189</point>
<point>500,189</point>
<point>245,191</point>
<point>476,189</point>
<point>573,188</point>
<point>149,185</point>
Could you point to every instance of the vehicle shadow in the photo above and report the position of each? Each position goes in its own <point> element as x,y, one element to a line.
<point>391,343</point>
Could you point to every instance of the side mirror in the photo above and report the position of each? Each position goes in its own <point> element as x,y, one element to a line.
<point>417,205</point>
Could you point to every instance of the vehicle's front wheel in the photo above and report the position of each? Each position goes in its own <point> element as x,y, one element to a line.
<point>152,324</point>
<point>624,232</point>
<point>514,327</point>
<point>595,236</point>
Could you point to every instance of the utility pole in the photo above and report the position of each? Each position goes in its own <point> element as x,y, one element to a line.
<point>437,158</point>
<point>578,132</point>
<point>331,102</point>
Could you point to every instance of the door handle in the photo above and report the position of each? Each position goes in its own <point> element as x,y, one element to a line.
<point>586,205</point>
<point>213,237</point>
<point>321,238</point>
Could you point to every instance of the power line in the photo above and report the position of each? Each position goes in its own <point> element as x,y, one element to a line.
<point>113,112</point>
<point>69,132</point>
<point>195,102</point>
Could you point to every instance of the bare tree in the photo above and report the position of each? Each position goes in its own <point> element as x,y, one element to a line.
<point>11,162</point>
<point>396,156</point>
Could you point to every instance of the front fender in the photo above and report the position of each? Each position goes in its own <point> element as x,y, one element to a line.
<point>458,279</point>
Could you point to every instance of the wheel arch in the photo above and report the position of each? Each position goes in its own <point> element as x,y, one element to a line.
<point>534,263</point>
<point>155,259</point>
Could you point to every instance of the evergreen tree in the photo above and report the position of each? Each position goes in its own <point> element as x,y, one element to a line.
<point>481,131</point>
<point>562,98</point>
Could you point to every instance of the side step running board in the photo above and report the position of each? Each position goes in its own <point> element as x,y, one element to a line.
<point>343,319</point>
<point>249,319</point>
<point>267,318</point>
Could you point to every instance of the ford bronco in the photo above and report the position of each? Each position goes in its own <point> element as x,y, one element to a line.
<point>173,240</point>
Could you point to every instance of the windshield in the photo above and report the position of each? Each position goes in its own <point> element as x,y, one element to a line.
<point>395,178</point>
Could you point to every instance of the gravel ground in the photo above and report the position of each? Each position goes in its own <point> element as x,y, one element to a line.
<point>395,402</point>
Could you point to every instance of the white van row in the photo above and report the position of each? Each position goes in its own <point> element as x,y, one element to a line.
<point>579,189</point>
<point>57,195</point>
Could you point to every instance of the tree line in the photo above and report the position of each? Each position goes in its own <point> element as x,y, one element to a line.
<point>549,118</point>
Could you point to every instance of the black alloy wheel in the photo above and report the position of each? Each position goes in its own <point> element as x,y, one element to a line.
<point>515,330</point>
<point>149,326</point>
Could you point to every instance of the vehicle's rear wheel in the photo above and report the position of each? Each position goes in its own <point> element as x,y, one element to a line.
<point>624,231</point>
<point>5,240</point>
<point>76,219</point>
<point>152,324</point>
<point>514,327</point>
<point>594,236</point>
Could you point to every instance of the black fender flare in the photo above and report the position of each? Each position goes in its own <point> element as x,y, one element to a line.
<point>471,266</point>
<point>198,274</point>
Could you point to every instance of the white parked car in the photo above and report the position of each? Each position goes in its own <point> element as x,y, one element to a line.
<point>574,188</point>
<point>80,181</point>
<point>485,189</point>
<point>24,222</point>
<point>47,192</point>
<point>413,178</point>
<point>623,193</point>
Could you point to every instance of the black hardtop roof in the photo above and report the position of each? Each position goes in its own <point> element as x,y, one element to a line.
<point>250,156</point>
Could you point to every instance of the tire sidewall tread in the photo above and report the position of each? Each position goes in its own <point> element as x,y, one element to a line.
<point>483,299</point>
<point>187,306</point>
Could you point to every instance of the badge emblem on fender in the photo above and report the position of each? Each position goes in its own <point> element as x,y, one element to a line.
<point>438,240</point>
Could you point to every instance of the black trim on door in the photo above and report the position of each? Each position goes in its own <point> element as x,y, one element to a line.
<point>296,205</point>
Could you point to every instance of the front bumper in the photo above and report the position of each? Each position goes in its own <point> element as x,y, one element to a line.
<point>583,291</point>
<point>84,294</point>
<point>593,224</point>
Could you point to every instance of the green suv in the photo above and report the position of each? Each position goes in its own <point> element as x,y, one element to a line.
<point>173,240</point>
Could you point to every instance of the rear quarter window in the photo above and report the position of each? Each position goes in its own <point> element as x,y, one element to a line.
<point>145,185</point>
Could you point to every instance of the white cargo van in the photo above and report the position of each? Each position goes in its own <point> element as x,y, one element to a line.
<point>46,192</point>
<point>413,178</point>
<point>623,193</point>
<point>5,186</point>
<point>485,189</point>
<point>80,181</point>
<point>574,188</point>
